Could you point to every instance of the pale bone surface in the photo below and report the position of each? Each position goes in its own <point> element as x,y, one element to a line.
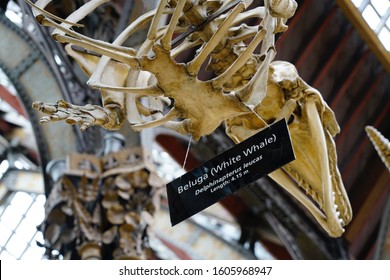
<point>381,144</point>
<point>248,89</point>
<point>104,206</point>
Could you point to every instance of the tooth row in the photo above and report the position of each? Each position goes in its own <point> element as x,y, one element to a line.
<point>341,200</point>
<point>341,221</point>
<point>343,204</point>
<point>308,189</point>
<point>313,194</point>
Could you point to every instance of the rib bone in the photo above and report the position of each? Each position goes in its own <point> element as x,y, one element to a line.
<point>248,92</point>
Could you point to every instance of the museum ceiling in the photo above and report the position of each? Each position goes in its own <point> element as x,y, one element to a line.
<point>330,55</point>
<point>333,53</point>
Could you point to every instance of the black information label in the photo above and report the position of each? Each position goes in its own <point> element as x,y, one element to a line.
<point>221,176</point>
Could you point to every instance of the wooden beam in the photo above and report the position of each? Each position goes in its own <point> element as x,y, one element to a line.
<point>278,251</point>
<point>12,101</point>
<point>348,80</point>
<point>369,214</point>
<point>367,34</point>
<point>349,165</point>
<point>177,151</point>
<point>332,59</point>
<point>359,111</point>
<point>314,39</point>
<point>294,21</point>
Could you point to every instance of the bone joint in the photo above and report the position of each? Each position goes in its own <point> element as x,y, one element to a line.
<point>149,86</point>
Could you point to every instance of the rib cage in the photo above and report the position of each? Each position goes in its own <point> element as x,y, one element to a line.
<point>248,89</point>
<point>226,34</point>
